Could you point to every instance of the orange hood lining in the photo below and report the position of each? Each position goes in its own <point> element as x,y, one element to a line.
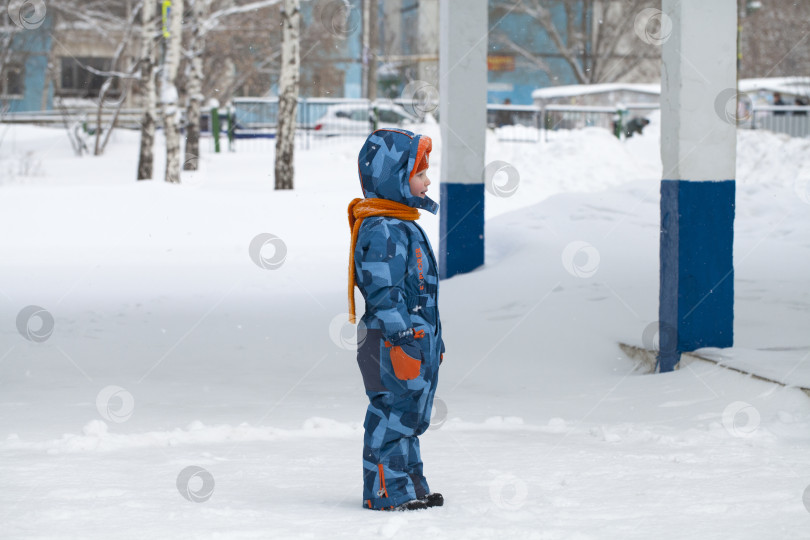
<point>422,153</point>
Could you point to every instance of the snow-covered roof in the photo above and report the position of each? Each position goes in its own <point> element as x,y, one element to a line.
<point>786,85</point>
<point>584,89</point>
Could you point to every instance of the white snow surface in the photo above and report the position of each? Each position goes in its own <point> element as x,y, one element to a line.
<point>171,349</point>
<point>584,89</point>
<point>788,85</point>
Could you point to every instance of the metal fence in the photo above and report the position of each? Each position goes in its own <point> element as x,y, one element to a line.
<point>325,121</point>
<point>322,121</point>
<point>532,123</point>
<point>87,117</point>
<point>788,119</point>
<point>529,123</point>
<point>256,120</point>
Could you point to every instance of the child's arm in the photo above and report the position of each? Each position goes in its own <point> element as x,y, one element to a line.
<point>381,253</point>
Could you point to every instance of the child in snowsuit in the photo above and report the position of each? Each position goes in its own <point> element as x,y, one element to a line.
<point>399,337</point>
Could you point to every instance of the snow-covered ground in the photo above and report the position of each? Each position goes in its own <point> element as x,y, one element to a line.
<point>176,363</point>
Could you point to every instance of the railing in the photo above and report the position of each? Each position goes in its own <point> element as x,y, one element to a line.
<point>530,123</point>
<point>256,120</point>
<point>791,120</point>
<point>127,118</point>
<point>324,120</point>
<point>319,121</point>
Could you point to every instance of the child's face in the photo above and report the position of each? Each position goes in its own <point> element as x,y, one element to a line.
<point>419,184</point>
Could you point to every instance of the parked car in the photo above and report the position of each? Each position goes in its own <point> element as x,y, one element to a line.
<point>358,119</point>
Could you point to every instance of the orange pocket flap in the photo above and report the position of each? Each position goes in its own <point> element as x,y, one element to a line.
<point>405,367</point>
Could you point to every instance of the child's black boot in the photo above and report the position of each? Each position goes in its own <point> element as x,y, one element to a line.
<point>415,504</point>
<point>433,499</point>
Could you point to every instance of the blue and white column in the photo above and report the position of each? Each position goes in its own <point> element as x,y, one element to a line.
<point>698,150</point>
<point>463,112</point>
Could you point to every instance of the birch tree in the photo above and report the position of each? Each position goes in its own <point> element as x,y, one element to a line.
<point>196,49</point>
<point>169,97</point>
<point>148,61</point>
<point>288,94</point>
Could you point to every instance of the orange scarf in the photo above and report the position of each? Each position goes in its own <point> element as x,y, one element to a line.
<point>359,209</point>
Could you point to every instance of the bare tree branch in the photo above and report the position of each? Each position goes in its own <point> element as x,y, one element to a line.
<point>212,19</point>
<point>592,55</point>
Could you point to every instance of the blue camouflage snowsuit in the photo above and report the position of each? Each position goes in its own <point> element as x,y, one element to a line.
<point>396,272</point>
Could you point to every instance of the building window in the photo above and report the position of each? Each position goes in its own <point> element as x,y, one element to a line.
<point>13,82</point>
<point>78,80</point>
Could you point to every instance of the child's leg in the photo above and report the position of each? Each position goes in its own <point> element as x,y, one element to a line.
<point>395,414</point>
<point>415,466</point>
<point>387,456</point>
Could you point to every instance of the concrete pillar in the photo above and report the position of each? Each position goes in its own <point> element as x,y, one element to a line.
<point>698,150</point>
<point>463,112</point>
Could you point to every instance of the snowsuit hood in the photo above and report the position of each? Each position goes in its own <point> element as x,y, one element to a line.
<point>385,164</point>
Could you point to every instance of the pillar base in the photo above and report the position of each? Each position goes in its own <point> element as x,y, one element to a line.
<point>697,273</point>
<point>461,218</point>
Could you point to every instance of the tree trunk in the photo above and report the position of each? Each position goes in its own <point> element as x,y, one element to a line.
<point>114,121</point>
<point>50,70</point>
<point>371,85</point>
<point>199,11</point>
<point>365,48</point>
<point>148,60</point>
<point>168,93</point>
<point>288,94</point>
<point>7,35</point>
